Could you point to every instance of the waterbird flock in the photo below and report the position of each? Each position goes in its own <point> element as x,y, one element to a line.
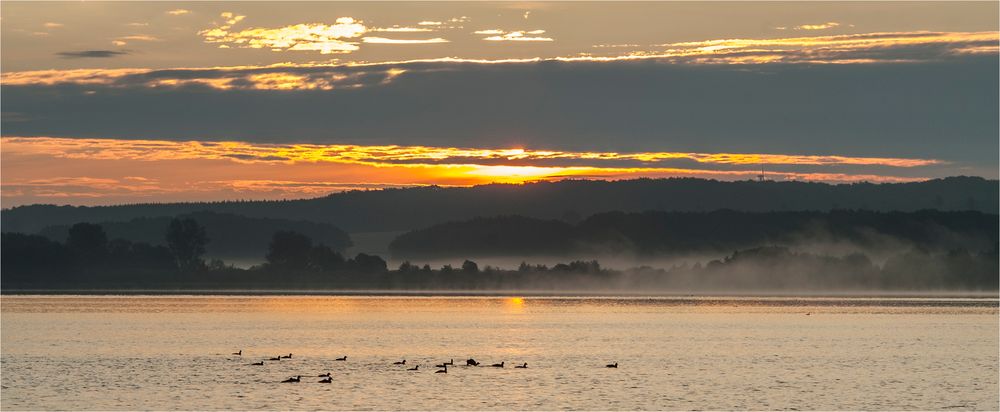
<point>443,367</point>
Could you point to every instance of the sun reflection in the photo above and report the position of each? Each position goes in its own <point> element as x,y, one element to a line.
<point>514,305</point>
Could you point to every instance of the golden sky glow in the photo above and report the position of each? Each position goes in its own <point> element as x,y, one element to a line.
<point>101,171</point>
<point>243,152</point>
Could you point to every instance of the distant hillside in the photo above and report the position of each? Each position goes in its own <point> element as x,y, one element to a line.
<point>412,208</point>
<point>230,236</point>
<point>658,233</point>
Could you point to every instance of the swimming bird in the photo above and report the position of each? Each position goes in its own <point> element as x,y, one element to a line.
<point>342,358</point>
<point>327,380</point>
<point>286,357</point>
<point>445,370</point>
<point>450,363</point>
<point>294,379</point>
<point>497,365</point>
<point>325,375</point>
<point>402,362</point>
<point>611,365</point>
<point>240,353</point>
<point>471,362</point>
<point>441,365</point>
<point>276,358</point>
<point>414,368</point>
<point>261,363</point>
<point>525,366</point>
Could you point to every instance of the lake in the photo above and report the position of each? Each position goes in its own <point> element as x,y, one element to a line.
<point>173,352</point>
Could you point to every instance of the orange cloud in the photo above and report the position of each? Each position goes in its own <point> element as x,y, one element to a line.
<point>324,38</point>
<point>395,155</point>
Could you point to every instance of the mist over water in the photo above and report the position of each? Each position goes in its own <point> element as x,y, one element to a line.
<point>173,352</point>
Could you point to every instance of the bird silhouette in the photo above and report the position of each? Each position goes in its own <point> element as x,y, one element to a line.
<point>402,362</point>
<point>294,379</point>
<point>261,363</point>
<point>497,365</point>
<point>343,358</point>
<point>445,370</point>
<point>240,353</point>
<point>611,365</point>
<point>525,366</point>
<point>414,368</point>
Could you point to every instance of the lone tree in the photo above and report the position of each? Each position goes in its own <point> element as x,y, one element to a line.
<point>186,240</point>
<point>470,267</point>
<point>289,250</point>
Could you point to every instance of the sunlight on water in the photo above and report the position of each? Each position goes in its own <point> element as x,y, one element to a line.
<point>173,352</point>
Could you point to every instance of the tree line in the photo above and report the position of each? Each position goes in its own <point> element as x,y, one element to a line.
<point>87,259</point>
<point>233,236</point>
<point>413,208</point>
<point>659,233</point>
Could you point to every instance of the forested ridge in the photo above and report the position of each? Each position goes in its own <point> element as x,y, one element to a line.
<point>414,208</point>
<point>658,233</point>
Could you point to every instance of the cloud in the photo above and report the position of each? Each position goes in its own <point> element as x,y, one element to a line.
<point>398,29</point>
<point>430,23</point>
<point>324,38</point>
<point>231,18</point>
<point>526,14</point>
<point>138,37</point>
<point>150,150</point>
<point>846,49</point>
<point>178,12</point>
<point>118,43</point>
<point>691,98</point>
<point>382,40</point>
<point>51,25</point>
<point>137,24</point>
<point>843,49</point>
<point>821,26</point>
<point>501,35</point>
<point>91,54</point>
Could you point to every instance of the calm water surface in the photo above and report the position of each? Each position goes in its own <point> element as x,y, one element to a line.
<point>173,352</point>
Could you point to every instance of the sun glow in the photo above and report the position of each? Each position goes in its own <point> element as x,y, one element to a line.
<point>88,171</point>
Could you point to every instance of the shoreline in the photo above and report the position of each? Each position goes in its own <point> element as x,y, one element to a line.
<point>685,295</point>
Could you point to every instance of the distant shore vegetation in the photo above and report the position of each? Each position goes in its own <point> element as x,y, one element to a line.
<point>89,259</point>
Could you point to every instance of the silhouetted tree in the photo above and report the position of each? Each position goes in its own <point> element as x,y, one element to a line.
<point>88,242</point>
<point>289,250</point>
<point>366,263</point>
<point>470,267</point>
<point>186,239</point>
<point>324,258</point>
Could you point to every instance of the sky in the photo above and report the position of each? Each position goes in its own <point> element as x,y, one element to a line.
<point>126,102</point>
